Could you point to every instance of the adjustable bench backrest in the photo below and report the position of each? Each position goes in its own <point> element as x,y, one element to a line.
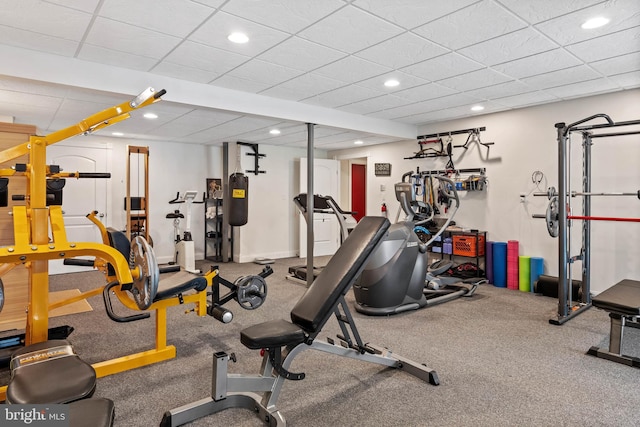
<point>317,304</point>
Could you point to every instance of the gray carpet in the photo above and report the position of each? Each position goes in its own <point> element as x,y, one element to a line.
<point>499,361</point>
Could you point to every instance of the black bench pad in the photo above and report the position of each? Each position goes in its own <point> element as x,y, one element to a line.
<point>178,283</point>
<point>45,373</point>
<point>95,412</point>
<point>271,334</point>
<point>622,298</point>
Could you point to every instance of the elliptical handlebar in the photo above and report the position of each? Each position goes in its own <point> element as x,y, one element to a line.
<point>453,194</point>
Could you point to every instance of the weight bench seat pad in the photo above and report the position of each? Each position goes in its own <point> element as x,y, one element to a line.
<point>315,307</point>
<point>94,412</point>
<point>178,283</point>
<point>272,334</point>
<point>622,298</point>
<point>49,372</point>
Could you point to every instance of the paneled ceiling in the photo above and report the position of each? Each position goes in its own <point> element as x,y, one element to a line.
<point>313,61</point>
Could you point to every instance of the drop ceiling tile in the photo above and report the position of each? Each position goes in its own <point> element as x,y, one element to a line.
<point>28,114</point>
<point>350,30</point>
<point>301,54</point>
<point>474,79</point>
<point>442,67</point>
<point>627,80</point>
<point>21,98</point>
<point>103,55</point>
<point>215,30</point>
<point>541,63</point>
<point>402,50</point>
<point>192,122</point>
<point>211,3</point>
<point>471,25</point>
<point>526,99</point>
<point>608,46</point>
<point>618,65</point>
<point>426,106</point>
<point>425,92</point>
<point>623,14</point>
<point>411,13</point>
<point>500,90</point>
<point>509,47</point>
<point>83,5</point>
<point>264,72</point>
<point>44,18</point>
<point>32,86</point>
<point>304,86</point>
<point>351,69</point>
<point>40,42</point>
<point>406,81</point>
<point>342,96</point>
<point>130,39</point>
<point>373,104</point>
<point>286,15</point>
<point>203,57</point>
<point>71,112</point>
<point>586,88</point>
<point>176,71</point>
<point>561,77</point>
<point>237,83</point>
<point>175,17</point>
<point>97,97</point>
<point>542,10</point>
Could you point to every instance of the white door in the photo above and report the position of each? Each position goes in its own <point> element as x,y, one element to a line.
<point>80,196</point>
<point>325,226</point>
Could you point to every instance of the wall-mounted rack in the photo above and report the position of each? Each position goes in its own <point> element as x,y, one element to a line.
<point>256,155</point>
<point>473,135</point>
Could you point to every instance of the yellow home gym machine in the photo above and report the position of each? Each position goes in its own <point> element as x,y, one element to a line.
<point>130,267</point>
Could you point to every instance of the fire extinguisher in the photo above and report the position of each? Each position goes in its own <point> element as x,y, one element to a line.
<point>384,210</point>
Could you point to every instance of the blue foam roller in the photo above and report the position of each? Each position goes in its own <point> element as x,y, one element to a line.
<point>488,253</point>
<point>537,269</point>
<point>500,264</point>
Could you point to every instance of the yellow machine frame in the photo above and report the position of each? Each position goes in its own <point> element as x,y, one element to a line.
<point>34,246</point>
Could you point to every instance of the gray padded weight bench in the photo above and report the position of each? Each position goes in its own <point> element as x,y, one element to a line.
<point>284,340</point>
<point>622,301</point>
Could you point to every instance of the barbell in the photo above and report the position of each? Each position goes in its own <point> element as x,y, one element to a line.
<point>552,216</point>
<point>552,192</point>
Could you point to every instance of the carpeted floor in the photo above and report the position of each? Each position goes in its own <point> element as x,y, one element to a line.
<point>499,361</point>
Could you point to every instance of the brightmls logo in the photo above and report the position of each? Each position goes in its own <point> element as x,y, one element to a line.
<point>34,415</point>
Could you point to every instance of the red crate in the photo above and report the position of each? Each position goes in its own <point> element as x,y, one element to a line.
<point>465,245</point>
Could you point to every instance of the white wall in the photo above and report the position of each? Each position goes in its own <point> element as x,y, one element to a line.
<point>525,141</point>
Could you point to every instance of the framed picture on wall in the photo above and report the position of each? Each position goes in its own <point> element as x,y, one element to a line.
<point>214,188</point>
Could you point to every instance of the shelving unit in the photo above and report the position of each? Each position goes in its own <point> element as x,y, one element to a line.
<point>464,244</point>
<point>213,230</point>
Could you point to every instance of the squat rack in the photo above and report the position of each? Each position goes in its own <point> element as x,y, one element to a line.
<point>566,308</point>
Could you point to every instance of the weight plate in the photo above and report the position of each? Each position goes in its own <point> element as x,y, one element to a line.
<point>145,283</point>
<point>551,192</point>
<point>1,295</point>
<point>552,217</point>
<point>251,291</point>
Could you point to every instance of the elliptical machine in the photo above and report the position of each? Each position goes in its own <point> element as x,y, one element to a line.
<point>397,277</point>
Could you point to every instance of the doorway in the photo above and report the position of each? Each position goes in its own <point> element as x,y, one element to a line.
<point>358,190</point>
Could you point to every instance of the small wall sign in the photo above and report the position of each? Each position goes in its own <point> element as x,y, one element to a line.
<point>383,169</point>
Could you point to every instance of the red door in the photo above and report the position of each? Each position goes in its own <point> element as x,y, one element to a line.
<point>358,190</point>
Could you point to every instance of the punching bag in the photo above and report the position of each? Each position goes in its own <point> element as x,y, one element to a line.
<point>238,201</point>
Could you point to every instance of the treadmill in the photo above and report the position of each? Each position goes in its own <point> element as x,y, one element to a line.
<point>325,205</point>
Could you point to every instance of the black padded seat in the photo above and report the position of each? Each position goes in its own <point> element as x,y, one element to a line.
<point>49,372</point>
<point>178,283</point>
<point>319,301</point>
<point>622,298</point>
<point>94,412</point>
<point>271,334</point>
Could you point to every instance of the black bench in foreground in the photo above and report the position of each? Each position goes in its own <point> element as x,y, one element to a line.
<point>284,340</point>
<point>622,301</point>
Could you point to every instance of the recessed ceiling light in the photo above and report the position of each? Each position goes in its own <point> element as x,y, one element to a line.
<point>477,108</point>
<point>596,22</point>
<point>117,133</point>
<point>358,142</point>
<point>391,83</point>
<point>238,38</point>
<point>150,116</point>
<point>274,132</point>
